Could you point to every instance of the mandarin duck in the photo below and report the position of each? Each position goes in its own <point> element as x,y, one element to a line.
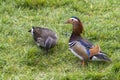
<point>44,37</point>
<point>81,47</point>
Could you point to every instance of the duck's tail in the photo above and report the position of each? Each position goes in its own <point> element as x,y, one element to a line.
<point>101,56</point>
<point>49,43</point>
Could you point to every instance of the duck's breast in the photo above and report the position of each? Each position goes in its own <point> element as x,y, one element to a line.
<point>79,50</point>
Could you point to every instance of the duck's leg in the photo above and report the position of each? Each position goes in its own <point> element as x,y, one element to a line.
<point>46,51</point>
<point>83,63</point>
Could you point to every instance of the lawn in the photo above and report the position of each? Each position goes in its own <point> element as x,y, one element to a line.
<point>21,59</point>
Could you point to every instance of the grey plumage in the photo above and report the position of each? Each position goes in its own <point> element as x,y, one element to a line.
<point>44,37</point>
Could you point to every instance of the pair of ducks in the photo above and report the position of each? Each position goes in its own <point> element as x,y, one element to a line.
<point>79,46</point>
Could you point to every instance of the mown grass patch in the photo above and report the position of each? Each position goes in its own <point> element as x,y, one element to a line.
<point>21,59</point>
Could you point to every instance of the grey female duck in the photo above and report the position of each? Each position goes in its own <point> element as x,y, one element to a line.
<point>44,37</point>
<point>81,47</point>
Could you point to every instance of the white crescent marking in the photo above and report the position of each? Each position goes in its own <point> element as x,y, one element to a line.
<point>74,19</point>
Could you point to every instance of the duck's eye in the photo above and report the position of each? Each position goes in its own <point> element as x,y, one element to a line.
<point>72,19</point>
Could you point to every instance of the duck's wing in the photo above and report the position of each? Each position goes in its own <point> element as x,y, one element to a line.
<point>79,50</point>
<point>86,43</point>
<point>101,56</point>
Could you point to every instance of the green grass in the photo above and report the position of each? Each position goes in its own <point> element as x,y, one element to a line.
<point>21,59</point>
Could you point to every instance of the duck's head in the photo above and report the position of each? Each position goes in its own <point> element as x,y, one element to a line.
<point>32,30</point>
<point>77,25</point>
<point>73,20</point>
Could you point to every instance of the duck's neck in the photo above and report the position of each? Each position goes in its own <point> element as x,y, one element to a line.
<point>76,33</point>
<point>74,37</point>
<point>77,28</point>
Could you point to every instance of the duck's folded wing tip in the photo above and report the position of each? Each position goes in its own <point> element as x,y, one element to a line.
<point>100,57</point>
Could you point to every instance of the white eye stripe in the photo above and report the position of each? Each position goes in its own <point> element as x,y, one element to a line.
<point>74,19</point>
<point>32,31</point>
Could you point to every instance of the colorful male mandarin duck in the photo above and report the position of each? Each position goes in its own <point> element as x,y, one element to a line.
<point>44,37</point>
<point>81,47</point>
